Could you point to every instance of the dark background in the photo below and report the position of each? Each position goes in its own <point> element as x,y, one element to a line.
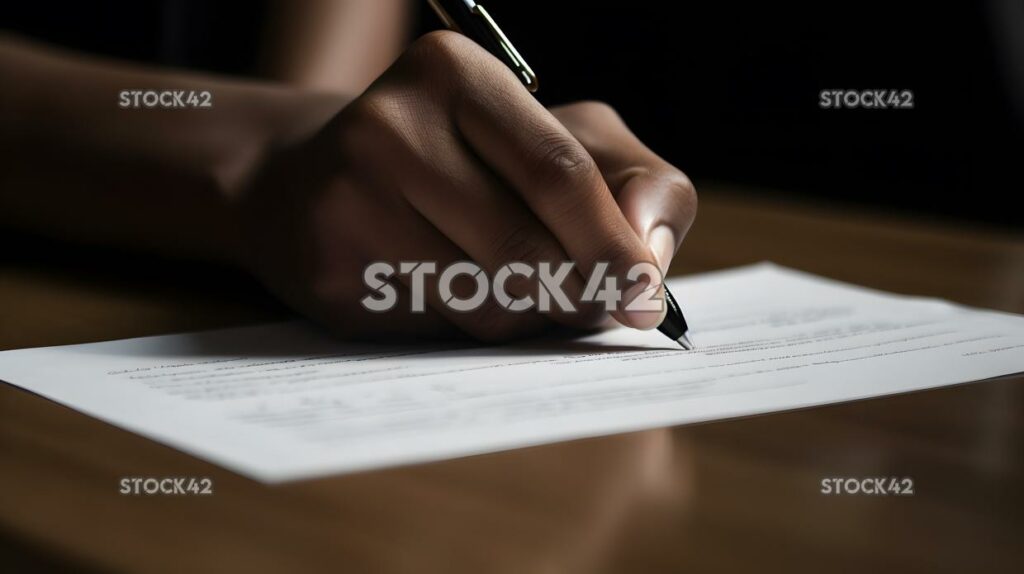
<point>727,91</point>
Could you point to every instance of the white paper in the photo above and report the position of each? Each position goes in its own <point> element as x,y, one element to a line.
<point>283,401</point>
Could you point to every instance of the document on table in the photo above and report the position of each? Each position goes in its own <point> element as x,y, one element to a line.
<point>284,401</point>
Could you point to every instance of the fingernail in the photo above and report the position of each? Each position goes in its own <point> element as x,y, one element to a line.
<point>639,318</point>
<point>662,242</point>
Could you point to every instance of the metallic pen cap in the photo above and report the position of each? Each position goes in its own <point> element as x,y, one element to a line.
<point>685,342</point>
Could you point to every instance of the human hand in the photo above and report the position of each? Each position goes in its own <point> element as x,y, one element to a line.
<point>446,158</point>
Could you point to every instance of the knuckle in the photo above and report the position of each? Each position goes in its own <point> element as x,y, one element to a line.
<point>681,185</point>
<point>441,47</point>
<point>681,188</point>
<point>562,153</point>
<point>559,159</point>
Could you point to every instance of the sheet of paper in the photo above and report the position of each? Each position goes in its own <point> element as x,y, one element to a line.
<point>283,401</point>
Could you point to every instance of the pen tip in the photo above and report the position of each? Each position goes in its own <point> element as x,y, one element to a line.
<point>685,342</point>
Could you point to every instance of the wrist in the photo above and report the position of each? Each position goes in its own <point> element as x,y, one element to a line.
<point>277,120</point>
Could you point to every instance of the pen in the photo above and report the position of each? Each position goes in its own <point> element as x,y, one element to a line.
<point>471,19</point>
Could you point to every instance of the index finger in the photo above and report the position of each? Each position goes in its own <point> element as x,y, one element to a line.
<point>548,168</point>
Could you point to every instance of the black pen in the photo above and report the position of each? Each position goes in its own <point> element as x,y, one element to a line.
<point>471,19</point>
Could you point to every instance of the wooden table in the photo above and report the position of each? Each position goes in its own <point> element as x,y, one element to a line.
<point>734,495</point>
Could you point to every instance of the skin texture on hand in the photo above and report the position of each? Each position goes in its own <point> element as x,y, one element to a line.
<point>445,158</point>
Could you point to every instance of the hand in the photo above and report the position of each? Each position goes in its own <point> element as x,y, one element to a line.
<point>446,158</point>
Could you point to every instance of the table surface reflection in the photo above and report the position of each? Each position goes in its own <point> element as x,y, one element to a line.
<point>731,495</point>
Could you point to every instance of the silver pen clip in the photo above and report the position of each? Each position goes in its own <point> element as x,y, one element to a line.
<point>521,67</point>
<point>515,60</point>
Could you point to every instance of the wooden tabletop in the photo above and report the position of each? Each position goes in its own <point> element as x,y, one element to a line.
<point>732,495</point>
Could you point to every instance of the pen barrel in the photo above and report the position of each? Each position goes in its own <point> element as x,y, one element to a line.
<point>476,23</point>
<point>674,325</point>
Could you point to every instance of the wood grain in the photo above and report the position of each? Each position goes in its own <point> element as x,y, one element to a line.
<point>732,495</point>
